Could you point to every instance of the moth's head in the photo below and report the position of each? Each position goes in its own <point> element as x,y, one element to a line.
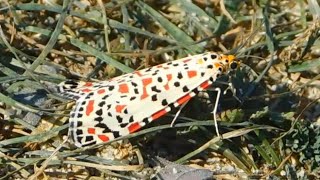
<point>229,62</point>
<point>222,63</point>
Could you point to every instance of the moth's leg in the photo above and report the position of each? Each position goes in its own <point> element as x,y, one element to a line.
<point>231,88</point>
<point>177,114</point>
<point>215,111</point>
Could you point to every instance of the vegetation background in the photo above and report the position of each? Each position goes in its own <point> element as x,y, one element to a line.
<point>270,125</point>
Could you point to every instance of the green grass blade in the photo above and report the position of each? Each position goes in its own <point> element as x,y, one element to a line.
<point>100,55</point>
<point>89,17</point>
<point>34,138</point>
<point>179,35</point>
<point>305,66</point>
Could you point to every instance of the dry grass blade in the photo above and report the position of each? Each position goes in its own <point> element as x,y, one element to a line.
<point>228,135</point>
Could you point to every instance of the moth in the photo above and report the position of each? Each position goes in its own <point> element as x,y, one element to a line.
<point>109,109</point>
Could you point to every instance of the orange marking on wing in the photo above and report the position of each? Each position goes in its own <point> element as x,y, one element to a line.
<point>187,60</point>
<point>101,91</point>
<point>103,138</point>
<point>138,73</point>
<point>145,94</point>
<point>169,77</point>
<point>91,131</point>
<point>119,108</point>
<point>88,84</point>
<point>146,81</point>
<point>159,66</point>
<point>184,99</point>
<point>89,107</point>
<point>123,88</point>
<point>133,127</point>
<point>204,85</point>
<point>192,74</point>
<point>166,87</point>
<point>158,114</point>
<point>86,90</point>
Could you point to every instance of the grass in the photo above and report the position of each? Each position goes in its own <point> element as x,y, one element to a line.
<point>270,125</point>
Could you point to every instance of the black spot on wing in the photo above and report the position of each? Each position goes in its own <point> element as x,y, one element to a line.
<point>154,97</point>
<point>99,119</point>
<point>131,119</point>
<point>89,138</point>
<point>119,119</point>
<point>105,97</point>
<point>79,138</point>
<point>164,102</point>
<point>154,88</point>
<point>99,112</point>
<point>145,120</point>
<point>79,131</point>
<point>196,90</point>
<point>122,125</point>
<point>116,134</point>
<point>104,127</point>
<point>213,56</point>
<point>185,89</point>
<point>101,104</point>
<point>155,72</point>
<point>134,84</point>
<point>79,123</point>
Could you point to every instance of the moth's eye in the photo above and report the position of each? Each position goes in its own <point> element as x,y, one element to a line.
<point>234,65</point>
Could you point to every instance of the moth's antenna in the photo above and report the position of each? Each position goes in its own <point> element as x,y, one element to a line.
<point>237,49</point>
